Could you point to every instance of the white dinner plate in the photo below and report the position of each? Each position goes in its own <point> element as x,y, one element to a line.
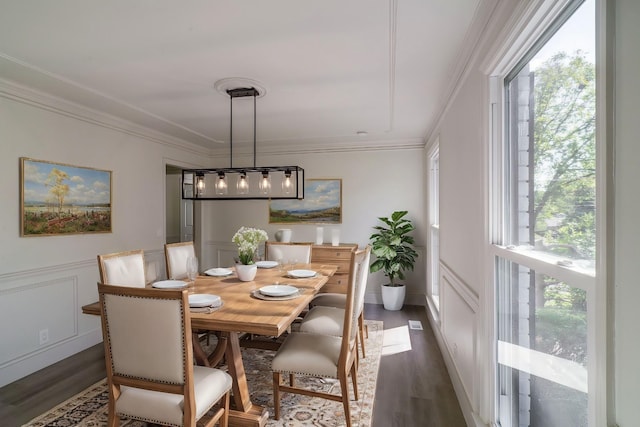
<point>266,264</point>
<point>204,300</point>
<point>170,284</point>
<point>301,273</point>
<point>218,272</point>
<point>278,290</point>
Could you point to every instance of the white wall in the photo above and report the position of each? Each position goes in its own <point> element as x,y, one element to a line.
<point>374,184</point>
<point>44,281</point>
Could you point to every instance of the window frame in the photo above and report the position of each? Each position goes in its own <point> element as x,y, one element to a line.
<point>533,22</point>
<point>433,209</point>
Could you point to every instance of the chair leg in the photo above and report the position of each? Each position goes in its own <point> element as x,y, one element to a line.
<point>292,380</point>
<point>114,392</point>
<point>354,381</point>
<point>361,331</point>
<point>344,388</point>
<point>276,395</point>
<point>224,421</point>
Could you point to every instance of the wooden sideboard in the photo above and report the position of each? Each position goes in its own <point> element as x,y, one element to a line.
<point>336,255</point>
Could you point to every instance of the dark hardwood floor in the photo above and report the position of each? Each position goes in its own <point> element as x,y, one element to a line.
<point>413,389</point>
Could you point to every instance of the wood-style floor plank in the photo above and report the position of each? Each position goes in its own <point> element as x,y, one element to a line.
<point>413,389</point>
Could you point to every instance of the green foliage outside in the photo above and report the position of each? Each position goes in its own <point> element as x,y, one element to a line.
<point>564,132</point>
<point>565,193</point>
<point>561,325</point>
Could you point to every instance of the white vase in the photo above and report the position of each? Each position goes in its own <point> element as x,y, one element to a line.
<point>246,273</point>
<point>393,297</point>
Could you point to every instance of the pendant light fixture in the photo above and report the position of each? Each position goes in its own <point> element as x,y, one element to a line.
<point>247,183</point>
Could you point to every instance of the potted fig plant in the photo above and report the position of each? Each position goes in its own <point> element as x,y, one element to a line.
<point>393,246</point>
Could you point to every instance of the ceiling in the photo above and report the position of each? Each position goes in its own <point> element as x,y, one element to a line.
<point>328,69</point>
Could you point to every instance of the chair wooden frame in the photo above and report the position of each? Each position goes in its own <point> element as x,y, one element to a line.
<point>347,360</point>
<point>167,257</point>
<point>104,258</point>
<point>185,387</point>
<point>338,301</point>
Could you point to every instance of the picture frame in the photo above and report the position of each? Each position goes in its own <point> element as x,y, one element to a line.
<point>322,204</point>
<point>61,199</point>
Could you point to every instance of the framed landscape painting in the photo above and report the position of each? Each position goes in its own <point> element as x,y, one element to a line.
<point>322,204</point>
<point>57,199</point>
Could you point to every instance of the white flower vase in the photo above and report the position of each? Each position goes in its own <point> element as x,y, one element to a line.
<point>246,273</point>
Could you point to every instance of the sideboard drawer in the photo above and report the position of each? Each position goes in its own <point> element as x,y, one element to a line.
<point>340,256</point>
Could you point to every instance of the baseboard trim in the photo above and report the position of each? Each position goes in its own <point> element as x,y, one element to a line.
<point>471,417</point>
<point>26,366</point>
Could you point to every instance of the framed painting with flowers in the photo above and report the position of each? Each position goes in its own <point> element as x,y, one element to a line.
<point>58,199</point>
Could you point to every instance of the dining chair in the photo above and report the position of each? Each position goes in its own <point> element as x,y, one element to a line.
<point>176,255</point>
<point>149,360</point>
<point>322,356</point>
<point>287,252</point>
<point>326,313</point>
<point>123,268</point>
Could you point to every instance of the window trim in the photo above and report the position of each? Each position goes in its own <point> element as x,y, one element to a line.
<point>531,21</point>
<point>433,224</point>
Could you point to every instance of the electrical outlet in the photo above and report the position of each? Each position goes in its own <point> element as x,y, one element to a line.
<point>44,336</point>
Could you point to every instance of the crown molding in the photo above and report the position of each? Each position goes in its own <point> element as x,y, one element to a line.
<point>319,147</point>
<point>45,101</point>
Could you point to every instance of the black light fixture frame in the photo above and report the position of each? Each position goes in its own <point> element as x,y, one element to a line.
<point>190,177</point>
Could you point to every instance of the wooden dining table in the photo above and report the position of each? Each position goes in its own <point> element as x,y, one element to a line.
<point>244,313</point>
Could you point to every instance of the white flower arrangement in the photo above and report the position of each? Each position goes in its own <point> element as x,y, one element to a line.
<point>248,239</point>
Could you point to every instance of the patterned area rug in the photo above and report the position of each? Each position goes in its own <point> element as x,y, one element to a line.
<point>89,407</point>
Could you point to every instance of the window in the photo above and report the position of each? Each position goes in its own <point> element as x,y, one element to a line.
<point>545,248</point>
<point>433,267</point>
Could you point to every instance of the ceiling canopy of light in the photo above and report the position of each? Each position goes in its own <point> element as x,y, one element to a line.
<point>243,183</point>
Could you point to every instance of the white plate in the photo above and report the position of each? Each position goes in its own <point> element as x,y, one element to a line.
<point>170,284</point>
<point>266,264</point>
<point>301,273</point>
<point>278,290</point>
<point>218,272</point>
<point>204,300</point>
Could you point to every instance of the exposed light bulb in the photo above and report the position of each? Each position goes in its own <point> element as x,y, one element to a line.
<point>287,184</point>
<point>199,185</point>
<point>265,183</point>
<point>243,184</point>
<point>221,184</point>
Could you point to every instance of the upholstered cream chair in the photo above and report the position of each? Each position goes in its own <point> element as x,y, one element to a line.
<point>287,252</point>
<point>323,356</point>
<point>176,255</point>
<point>326,315</point>
<point>151,376</point>
<point>123,268</point>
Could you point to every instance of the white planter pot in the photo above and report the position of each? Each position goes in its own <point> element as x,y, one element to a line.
<point>393,297</point>
<point>246,273</point>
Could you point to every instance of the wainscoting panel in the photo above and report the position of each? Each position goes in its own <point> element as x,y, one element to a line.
<point>37,316</point>
<point>218,254</point>
<point>458,322</point>
<point>41,313</point>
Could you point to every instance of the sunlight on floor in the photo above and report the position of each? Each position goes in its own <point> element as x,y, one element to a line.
<point>396,340</point>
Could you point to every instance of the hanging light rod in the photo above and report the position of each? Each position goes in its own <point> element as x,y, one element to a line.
<point>244,183</point>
